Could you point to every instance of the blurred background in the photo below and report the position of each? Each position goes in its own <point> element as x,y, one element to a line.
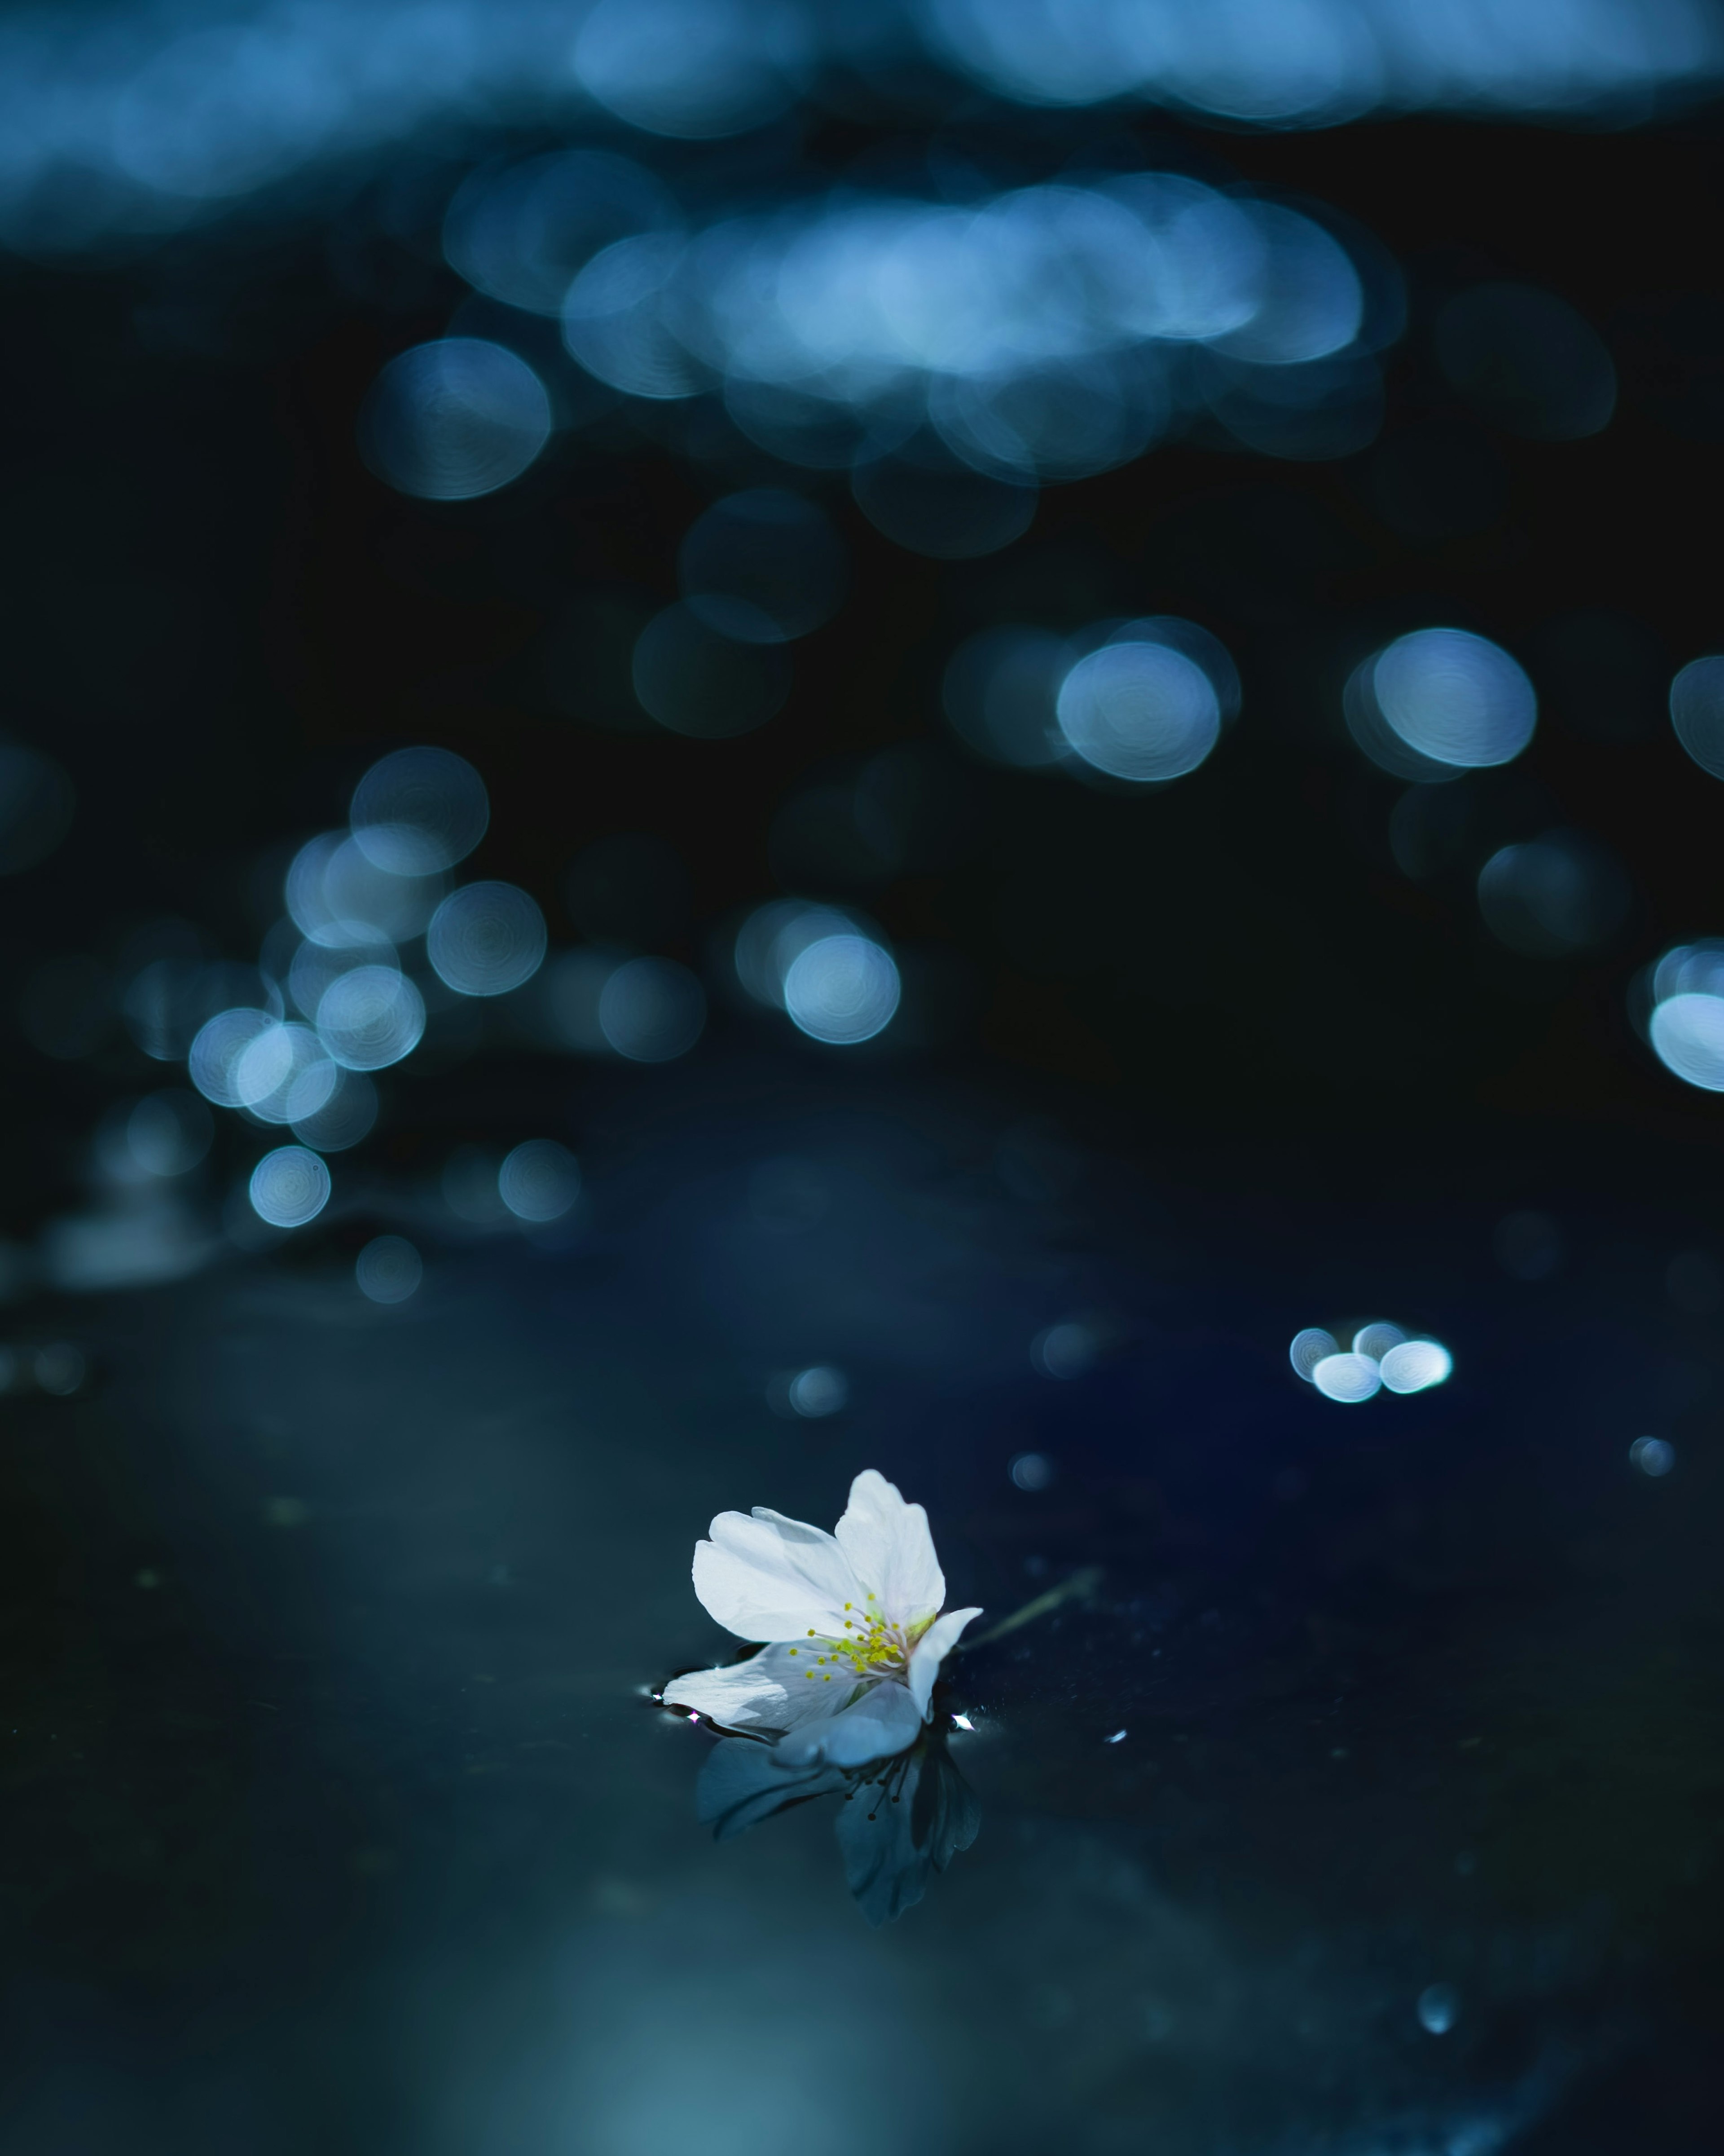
<point>744,741</point>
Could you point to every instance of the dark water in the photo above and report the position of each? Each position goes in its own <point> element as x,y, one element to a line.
<point>1363,1793</point>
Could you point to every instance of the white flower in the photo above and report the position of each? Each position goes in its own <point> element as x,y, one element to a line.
<point>852,1621</point>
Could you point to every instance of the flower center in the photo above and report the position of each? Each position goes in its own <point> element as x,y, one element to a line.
<point>869,1647</point>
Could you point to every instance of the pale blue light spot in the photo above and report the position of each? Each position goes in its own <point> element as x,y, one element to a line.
<point>289,1187</point>
<point>843,989</point>
<point>486,939</point>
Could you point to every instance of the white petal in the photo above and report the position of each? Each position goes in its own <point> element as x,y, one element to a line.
<point>888,1543</point>
<point>884,1722</point>
<point>767,1577</point>
<point>935,1644</point>
<point>770,1693</point>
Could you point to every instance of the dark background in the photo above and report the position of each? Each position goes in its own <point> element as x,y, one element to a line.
<point>220,616</point>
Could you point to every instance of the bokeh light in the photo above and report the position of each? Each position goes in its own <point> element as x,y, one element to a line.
<point>419,811</point>
<point>1653,1456</point>
<point>1140,711</point>
<point>1064,420</point>
<point>1687,1033</point>
<point>486,939</point>
<point>651,1010</point>
<point>818,1391</point>
<point>330,882</point>
<point>1066,1350</point>
<point>522,232</point>
<point>1441,700</point>
<point>303,888</point>
<point>1438,2008</point>
<point>454,419</point>
<point>1381,1357</point>
<point>371,1017</point>
<point>1309,1347</point>
<point>1385,747</point>
<point>218,1050</point>
<point>1031,1471</point>
<point>539,1180</point>
<point>1001,690</point>
<point>1347,1378</point>
<point>932,502</point>
<point>339,947</point>
<point>775,935</point>
<point>843,989</point>
<point>389,1270</point>
<point>1193,641</point>
<point>1686,1026</point>
<point>1696,969</point>
<point>218,112</point>
<point>958,356</point>
<point>355,889</point>
<point>1697,712</point>
<point>614,320</point>
<point>60,1368</point>
<point>331,1108</point>
<point>1414,1365</point>
<point>289,1187</point>
<point>284,1063</point>
<point>693,68</point>
<point>1309,302</point>
<point>1554,896</point>
<point>182,117</point>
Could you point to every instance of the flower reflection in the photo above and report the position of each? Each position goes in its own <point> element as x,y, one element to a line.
<point>901,1819</point>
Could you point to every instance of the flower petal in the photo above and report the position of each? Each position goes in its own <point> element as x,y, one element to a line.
<point>884,1722</point>
<point>767,1577</point>
<point>935,1644</point>
<point>888,1544</point>
<point>770,1693</point>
